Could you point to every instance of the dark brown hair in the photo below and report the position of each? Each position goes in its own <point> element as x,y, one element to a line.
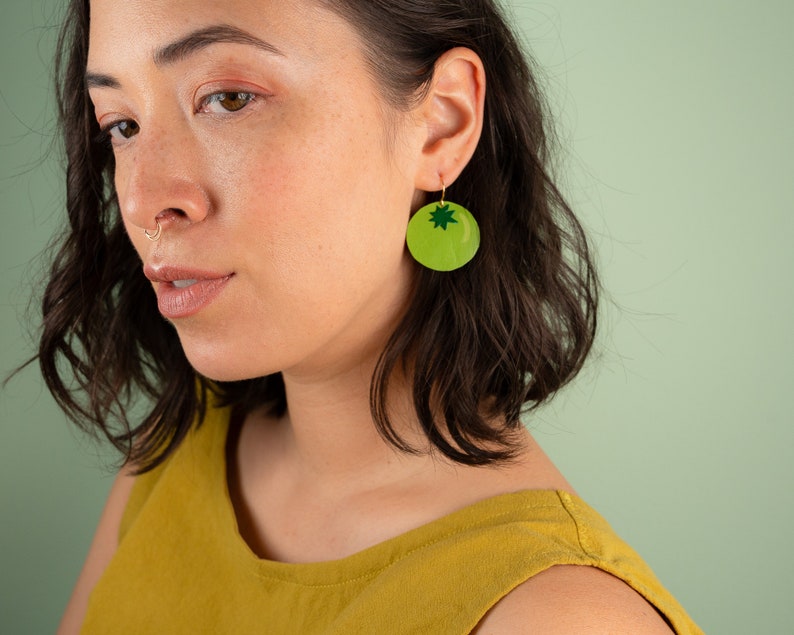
<point>485,342</point>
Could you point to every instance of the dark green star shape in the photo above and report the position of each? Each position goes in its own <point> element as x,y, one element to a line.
<point>442,216</point>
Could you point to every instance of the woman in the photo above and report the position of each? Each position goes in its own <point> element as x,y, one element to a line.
<point>334,442</point>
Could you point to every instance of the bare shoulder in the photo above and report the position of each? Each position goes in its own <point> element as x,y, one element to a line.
<point>103,546</point>
<point>568,600</point>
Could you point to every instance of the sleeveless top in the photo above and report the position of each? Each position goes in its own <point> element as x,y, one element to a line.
<point>182,566</point>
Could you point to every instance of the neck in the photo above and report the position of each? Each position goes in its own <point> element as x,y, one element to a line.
<point>325,455</point>
<point>328,435</point>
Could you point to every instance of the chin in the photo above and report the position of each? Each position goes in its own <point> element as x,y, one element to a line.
<point>216,374</point>
<point>218,364</point>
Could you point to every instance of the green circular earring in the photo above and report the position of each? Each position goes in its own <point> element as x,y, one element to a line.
<point>443,236</point>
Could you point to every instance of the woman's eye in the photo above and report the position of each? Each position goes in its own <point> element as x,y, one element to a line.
<point>226,102</point>
<point>122,130</point>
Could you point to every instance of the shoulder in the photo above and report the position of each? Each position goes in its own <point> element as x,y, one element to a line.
<point>100,553</point>
<point>568,600</point>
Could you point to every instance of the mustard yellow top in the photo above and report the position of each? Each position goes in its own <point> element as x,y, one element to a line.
<point>182,567</point>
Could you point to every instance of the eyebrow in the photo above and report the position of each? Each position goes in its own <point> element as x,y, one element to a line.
<point>186,46</point>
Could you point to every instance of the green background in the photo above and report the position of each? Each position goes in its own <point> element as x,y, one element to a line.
<point>675,121</point>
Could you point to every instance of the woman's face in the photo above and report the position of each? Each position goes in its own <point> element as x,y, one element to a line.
<point>254,134</point>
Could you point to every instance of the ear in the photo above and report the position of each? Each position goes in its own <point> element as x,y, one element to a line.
<point>452,115</point>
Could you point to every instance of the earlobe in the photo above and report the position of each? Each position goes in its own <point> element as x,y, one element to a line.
<point>453,112</point>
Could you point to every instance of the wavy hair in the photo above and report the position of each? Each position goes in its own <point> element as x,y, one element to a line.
<point>486,343</point>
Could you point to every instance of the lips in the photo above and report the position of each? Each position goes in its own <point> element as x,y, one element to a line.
<point>184,292</point>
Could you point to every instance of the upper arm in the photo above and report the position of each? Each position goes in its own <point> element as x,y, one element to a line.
<point>103,546</point>
<point>573,600</point>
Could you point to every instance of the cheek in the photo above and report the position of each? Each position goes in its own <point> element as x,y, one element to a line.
<point>327,196</point>
<point>136,236</point>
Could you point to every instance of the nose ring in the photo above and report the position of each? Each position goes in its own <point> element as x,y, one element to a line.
<point>156,235</point>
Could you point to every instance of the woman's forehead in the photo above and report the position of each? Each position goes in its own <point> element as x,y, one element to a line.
<point>301,28</point>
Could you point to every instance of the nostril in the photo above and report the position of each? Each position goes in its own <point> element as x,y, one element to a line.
<point>170,215</point>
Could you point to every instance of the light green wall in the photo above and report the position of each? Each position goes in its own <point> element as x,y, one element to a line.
<point>676,123</point>
<point>51,483</point>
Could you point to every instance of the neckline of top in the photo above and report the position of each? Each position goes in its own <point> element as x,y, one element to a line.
<point>367,562</point>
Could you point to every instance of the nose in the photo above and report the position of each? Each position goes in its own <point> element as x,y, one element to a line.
<point>158,181</point>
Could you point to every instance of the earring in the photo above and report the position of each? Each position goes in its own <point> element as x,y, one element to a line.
<point>156,235</point>
<point>443,236</point>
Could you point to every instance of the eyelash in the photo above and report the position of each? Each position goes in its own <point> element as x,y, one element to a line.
<point>107,132</point>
